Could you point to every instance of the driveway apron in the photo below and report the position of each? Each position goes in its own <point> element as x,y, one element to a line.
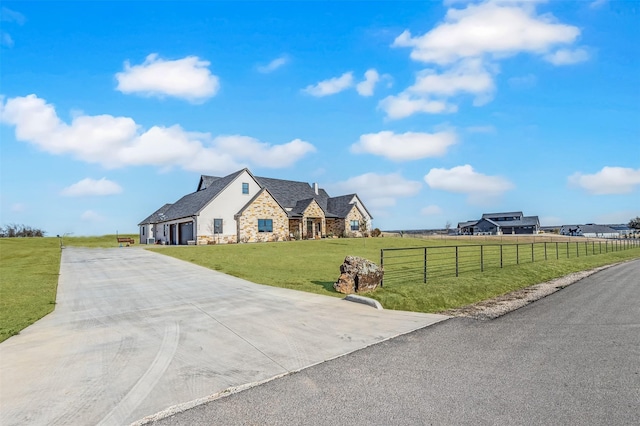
<point>135,332</point>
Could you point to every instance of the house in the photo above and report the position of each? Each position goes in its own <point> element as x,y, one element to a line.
<point>506,223</point>
<point>590,230</point>
<point>241,207</point>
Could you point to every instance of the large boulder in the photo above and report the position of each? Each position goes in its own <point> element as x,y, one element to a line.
<point>358,275</point>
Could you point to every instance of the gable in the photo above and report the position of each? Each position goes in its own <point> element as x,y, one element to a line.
<point>313,210</point>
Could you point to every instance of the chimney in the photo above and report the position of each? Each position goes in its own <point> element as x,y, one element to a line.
<point>315,188</point>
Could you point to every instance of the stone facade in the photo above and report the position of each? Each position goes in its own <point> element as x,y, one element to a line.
<point>218,239</point>
<point>335,227</point>
<point>313,215</point>
<point>354,214</point>
<point>263,207</point>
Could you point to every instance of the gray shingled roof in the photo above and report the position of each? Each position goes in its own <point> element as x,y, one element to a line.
<point>205,181</point>
<point>155,217</point>
<point>592,229</point>
<point>498,215</point>
<point>191,204</point>
<point>468,223</point>
<point>525,221</point>
<point>289,194</point>
<point>340,206</point>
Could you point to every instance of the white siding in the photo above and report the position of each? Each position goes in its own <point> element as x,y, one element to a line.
<point>226,205</point>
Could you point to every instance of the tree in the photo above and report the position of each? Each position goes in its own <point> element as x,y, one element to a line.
<point>634,223</point>
<point>447,226</point>
<point>363,226</point>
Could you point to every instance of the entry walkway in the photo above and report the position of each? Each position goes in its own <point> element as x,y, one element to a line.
<point>135,332</point>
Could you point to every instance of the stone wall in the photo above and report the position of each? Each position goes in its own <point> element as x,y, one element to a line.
<point>335,227</point>
<point>354,214</point>
<point>218,239</point>
<point>313,212</point>
<point>263,207</point>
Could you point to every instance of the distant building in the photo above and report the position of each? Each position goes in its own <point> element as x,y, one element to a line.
<point>590,230</point>
<point>507,223</point>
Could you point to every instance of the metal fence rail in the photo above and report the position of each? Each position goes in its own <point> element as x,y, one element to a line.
<point>422,263</point>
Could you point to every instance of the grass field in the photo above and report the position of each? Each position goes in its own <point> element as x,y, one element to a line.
<point>29,269</point>
<point>313,266</point>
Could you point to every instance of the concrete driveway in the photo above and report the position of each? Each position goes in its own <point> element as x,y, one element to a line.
<point>135,332</point>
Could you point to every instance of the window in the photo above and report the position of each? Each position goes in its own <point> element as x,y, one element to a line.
<point>217,226</point>
<point>355,225</point>
<point>143,228</point>
<point>245,188</point>
<point>265,225</point>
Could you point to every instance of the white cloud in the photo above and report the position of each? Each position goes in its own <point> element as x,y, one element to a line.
<point>8,15</point>
<point>465,180</point>
<point>567,56</point>
<point>468,76</point>
<point>273,65</point>
<point>88,186</point>
<point>91,216</point>
<point>405,146</point>
<point>187,78</point>
<point>118,141</point>
<point>18,207</point>
<point>5,39</point>
<point>609,180</point>
<point>404,105</point>
<point>366,87</point>
<point>378,191</point>
<point>467,47</point>
<point>331,86</point>
<point>431,210</point>
<point>263,154</point>
<point>494,28</point>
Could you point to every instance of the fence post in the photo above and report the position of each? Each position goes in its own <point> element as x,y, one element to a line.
<point>481,258</point>
<point>545,250</point>
<point>532,260</point>
<point>456,261</point>
<point>517,254</point>
<point>425,265</point>
<point>501,255</point>
<point>577,249</point>
<point>586,248</point>
<point>557,251</point>
<point>382,266</point>
<point>567,249</point>
<point>600,244</point>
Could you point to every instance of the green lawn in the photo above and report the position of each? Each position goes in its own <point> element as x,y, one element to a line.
<point>29,269</point>
<point>313,266</point>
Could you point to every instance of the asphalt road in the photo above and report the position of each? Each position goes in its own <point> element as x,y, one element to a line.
<point>572,358</point>
<point>135,332</point>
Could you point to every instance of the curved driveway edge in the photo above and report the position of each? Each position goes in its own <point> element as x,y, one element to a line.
<point>135,332</point>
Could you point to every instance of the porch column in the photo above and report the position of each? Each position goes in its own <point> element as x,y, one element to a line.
<point>323,227</point>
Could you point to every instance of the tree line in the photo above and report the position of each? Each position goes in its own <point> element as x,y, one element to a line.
<point>13,231</point>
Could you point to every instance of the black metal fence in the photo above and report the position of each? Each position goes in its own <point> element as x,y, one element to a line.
<point>416,264</point>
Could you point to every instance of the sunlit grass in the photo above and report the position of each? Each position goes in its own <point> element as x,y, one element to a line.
<point>29,269</point>
<point>313,266</point>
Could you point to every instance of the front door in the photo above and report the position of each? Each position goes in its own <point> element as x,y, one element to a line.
<point>309,228</point>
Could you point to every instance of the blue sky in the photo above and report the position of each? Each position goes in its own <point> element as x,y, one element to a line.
<point>432,112</point>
